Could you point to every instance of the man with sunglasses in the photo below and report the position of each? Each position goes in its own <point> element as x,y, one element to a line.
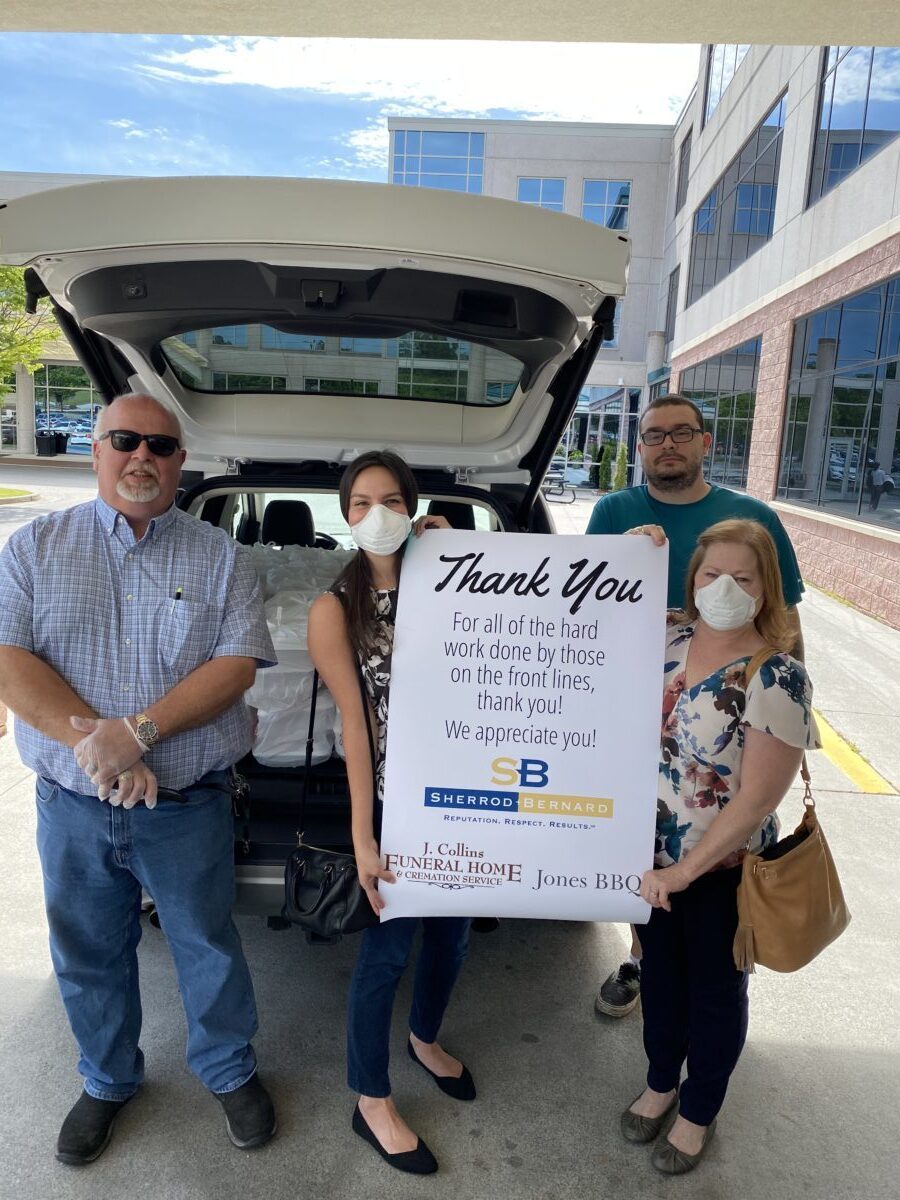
<point>677,504</point>
<point>129,632</point>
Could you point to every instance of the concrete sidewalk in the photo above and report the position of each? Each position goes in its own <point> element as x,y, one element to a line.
<point>812,1111</point>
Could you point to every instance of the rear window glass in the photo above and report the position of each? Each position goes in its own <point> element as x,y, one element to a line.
<point>415,365</point>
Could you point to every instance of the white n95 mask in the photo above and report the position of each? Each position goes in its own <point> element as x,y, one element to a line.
<point>381,531</point>
<point>723,604</point>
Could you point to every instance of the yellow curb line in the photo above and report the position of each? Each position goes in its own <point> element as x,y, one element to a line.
<point>853,765</point>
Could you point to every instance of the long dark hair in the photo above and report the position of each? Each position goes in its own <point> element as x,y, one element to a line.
<point>353,587</point>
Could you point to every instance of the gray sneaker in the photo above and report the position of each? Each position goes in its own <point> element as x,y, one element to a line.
<point>620,993</point>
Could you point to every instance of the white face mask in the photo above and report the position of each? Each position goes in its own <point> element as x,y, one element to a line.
<point>381,531</point>
<point>723,604</point>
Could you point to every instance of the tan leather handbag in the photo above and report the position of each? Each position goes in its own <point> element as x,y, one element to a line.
<point>790,903</point>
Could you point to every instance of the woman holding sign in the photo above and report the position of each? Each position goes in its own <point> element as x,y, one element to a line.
<point>351,629</point>
<point>736,720</point>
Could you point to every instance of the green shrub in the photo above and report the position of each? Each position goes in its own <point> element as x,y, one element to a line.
<point>604,475</point>
<point>620,474</point>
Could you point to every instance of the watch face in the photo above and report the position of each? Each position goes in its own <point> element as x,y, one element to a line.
<point>148,731</point>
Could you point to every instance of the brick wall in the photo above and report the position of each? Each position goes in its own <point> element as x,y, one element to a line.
<point>861,565</point>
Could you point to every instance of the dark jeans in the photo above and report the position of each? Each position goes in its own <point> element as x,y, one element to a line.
<point>693,997</point>
<point>382,959</point>
<point>95,859</point>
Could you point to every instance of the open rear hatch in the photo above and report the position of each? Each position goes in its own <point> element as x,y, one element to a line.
<point>287,320</point>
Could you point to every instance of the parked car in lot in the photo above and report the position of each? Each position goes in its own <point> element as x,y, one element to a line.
<point>293,324</point>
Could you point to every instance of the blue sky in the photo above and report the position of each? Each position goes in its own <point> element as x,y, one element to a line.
<point>291,106</point>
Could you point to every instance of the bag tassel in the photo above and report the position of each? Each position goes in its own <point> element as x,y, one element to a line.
<point>743,949</point>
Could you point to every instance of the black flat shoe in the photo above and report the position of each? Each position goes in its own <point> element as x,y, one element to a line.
<point>87,1130</point>
<point>414,1162</point>
<point>460,1087</point>
<point>642,1130</point>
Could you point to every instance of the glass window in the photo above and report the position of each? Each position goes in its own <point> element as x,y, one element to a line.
<point>737,216</point>
<point>606,201</point>
<point>342,387</point>
<point>456,144</point>
<point>672,304</point>
<point>415,364</point>
<point>725,389</point>
<point>684,167</point>
<point>722,62</point>
<point>441,159</point>
<point>859,111</point>
<point>843,404</point>
<point>236,381</point>
<point>65,402</point>
<point>548,193</point>
<point>355,345</point>
<point>754,209</point>
<point>277,339</point>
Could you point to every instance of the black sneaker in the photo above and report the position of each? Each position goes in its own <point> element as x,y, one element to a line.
<point>249,1114</point>
<point>620,993</point>
<point>87,1130</point>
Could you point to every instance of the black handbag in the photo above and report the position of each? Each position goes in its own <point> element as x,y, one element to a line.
<point>322,892</point>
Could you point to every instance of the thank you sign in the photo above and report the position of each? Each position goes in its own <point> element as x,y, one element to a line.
<point>523,733</point>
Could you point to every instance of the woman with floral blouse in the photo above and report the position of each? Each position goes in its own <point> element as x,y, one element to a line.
<point>736,719</point>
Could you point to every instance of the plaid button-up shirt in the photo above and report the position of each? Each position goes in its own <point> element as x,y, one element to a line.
<point>124,621</point>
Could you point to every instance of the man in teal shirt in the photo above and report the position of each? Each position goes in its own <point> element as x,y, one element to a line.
<point>677,503</point>
<point>678,500</point>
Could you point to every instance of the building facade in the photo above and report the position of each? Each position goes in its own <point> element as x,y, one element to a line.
<point>616,175</point>
<point>781,302</point>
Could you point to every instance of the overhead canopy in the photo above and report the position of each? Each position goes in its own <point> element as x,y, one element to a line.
<point>765,22</point>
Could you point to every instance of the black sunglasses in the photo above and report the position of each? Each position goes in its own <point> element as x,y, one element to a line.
<point>161,445</point>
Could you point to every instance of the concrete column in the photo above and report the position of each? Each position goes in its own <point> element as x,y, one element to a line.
<point>656,350</point>
<point>25,443</point>
<point>819,406</point>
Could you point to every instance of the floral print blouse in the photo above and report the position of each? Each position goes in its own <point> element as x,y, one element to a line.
<point>376,671</point>
<point>703,741</point>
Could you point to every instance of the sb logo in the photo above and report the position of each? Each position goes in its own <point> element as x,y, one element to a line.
<point>527,772</point>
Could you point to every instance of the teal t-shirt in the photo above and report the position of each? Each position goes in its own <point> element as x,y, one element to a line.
<point>683,523</point>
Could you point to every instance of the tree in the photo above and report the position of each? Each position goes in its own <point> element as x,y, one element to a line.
<point>604,475</point>
<point>22,337</point>
<point>620,475</point>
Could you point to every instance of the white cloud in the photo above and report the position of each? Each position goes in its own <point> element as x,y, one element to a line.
<point>370,144</point>
<point>157,150</point>
<point>548,81</point>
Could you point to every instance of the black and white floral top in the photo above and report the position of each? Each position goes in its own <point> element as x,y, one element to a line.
<point>376,671</point>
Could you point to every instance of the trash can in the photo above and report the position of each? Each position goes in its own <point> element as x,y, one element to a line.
<point>62,442</point>
<point>46,444</point>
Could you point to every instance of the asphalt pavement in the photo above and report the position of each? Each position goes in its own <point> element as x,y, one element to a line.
<point>813,1107</point>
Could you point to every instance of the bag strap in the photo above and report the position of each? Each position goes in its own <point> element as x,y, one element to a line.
<point>808,798</point>
<point>307,765</point>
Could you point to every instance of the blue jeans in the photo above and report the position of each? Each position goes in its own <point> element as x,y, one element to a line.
<point>380,964</point>
<point>95,860</point>
<point>693,998</point>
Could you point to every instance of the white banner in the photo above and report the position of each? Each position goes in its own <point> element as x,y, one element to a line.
<point>523,737</point>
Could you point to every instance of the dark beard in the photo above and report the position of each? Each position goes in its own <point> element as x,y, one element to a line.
<point>674,483</point>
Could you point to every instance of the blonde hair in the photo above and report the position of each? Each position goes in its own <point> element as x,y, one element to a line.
<point>772,621</point>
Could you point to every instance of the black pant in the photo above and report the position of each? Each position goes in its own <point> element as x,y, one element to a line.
<point>693,998</point>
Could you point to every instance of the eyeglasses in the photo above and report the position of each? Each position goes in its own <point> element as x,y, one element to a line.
<point>683,433</point>
<point>160,445</point>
